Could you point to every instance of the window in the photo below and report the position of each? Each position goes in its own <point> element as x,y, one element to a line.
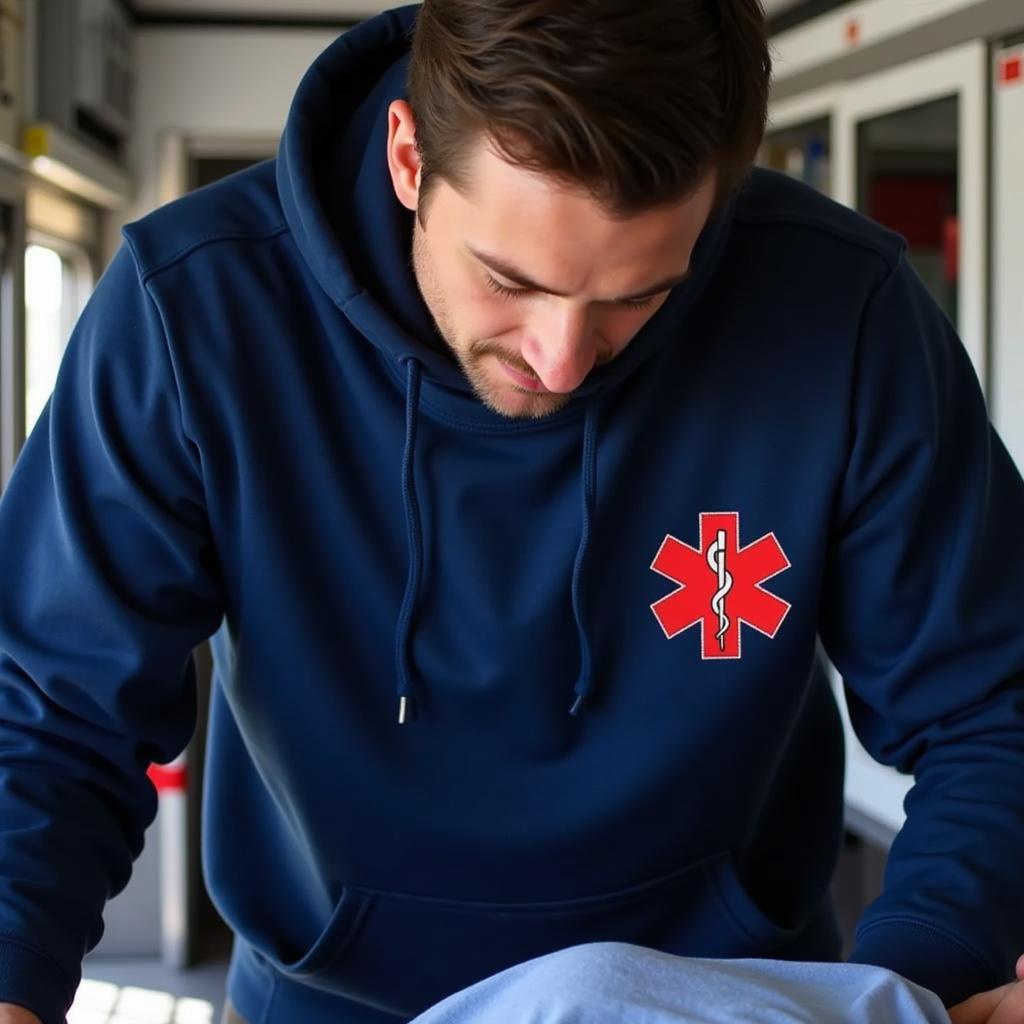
<point>58,280</point>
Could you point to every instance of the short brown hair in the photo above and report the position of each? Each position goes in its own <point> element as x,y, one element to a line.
<point>633,102</point>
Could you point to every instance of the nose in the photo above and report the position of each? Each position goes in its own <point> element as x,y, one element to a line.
<point>562,349</point>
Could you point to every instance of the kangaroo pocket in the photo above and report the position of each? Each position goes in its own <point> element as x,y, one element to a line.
<point>402,953</point>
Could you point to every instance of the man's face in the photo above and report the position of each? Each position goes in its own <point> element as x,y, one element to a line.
<point>532,285</point>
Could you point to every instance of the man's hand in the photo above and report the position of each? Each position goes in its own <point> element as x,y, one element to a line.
<point>11,1014</point>
<point>1003,1005</point>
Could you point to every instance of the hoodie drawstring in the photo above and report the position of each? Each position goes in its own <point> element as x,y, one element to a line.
<point>588,487</point>
<point>406,700</point>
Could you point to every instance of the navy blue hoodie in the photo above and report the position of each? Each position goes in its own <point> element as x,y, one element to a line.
<point>257,433</point>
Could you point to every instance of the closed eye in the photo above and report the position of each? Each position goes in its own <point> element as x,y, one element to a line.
<point>518,293</point>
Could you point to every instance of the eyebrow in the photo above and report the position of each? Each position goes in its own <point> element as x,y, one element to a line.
<point>514,274</point>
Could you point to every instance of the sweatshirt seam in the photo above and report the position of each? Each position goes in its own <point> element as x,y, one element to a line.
<point>165,345</point>
<point>483,429</point>
<point>198,243</point>
<point>12,940</point>
<point>603,897</point>
<point>929,926</point>
<point>891,259</point>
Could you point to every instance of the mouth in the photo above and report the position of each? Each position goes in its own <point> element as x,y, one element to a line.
<point>530,383</point>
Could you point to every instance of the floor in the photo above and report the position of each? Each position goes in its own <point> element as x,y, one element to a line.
<point>130,990</point>
<point>125,990</point>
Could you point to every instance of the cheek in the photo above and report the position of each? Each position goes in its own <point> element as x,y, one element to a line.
<point>487,316</point>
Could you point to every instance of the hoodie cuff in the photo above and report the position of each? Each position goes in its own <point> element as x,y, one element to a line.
<point>32,980</point>
<point>927,957</point>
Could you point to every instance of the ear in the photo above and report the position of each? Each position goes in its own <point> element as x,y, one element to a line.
<point>403,159</point>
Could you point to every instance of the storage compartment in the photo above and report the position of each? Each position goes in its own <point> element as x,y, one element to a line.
<point>85,72</point>
<point>10,71</point>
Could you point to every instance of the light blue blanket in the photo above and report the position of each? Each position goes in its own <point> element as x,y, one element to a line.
<point>617,983</point>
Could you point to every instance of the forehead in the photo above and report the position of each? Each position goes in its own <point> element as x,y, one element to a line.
<point>533,218</point>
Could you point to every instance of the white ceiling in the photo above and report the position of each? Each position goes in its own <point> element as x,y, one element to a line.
<point>326,9</point>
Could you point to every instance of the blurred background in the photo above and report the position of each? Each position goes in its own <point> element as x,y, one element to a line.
<point>911,112</point>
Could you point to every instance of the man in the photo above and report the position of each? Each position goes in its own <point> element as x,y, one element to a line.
<point>517,445</point>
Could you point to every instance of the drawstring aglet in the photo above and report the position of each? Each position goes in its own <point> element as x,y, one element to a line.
<point>577,704</point>
<point>406,710</point>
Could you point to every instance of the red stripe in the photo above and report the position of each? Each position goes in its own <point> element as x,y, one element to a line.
<point>168,779</point>
<point>1010,70</point>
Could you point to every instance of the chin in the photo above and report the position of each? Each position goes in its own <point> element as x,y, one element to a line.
<point>521,405</point>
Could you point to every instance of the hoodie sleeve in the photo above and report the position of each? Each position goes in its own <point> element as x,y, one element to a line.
<point>108,582</point>
<point>924,618</point>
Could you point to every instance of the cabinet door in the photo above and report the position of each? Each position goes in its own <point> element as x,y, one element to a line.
<point>799,138</point>
<point>911,152</point>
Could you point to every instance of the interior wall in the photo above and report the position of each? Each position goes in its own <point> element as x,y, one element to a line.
<point>209,81</point>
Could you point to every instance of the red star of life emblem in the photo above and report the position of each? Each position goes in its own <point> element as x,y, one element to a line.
<point>720,585</point>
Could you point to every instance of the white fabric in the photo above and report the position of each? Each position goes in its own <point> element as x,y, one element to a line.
<point>617,983</point>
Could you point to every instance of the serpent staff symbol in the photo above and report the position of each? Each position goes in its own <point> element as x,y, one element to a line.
<point>716,560</point>
<point>734,585</point>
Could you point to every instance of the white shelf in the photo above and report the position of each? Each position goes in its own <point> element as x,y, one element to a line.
<point>54,156</point>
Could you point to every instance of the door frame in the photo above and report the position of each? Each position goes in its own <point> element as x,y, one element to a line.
<point>962,71</point>
<point>12,324</point>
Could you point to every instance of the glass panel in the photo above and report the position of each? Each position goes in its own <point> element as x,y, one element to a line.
<point>803,151</point>
<point>907,180</point>
<point>45,296</point>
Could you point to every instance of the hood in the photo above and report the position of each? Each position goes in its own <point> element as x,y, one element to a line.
<point>356,236</point>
